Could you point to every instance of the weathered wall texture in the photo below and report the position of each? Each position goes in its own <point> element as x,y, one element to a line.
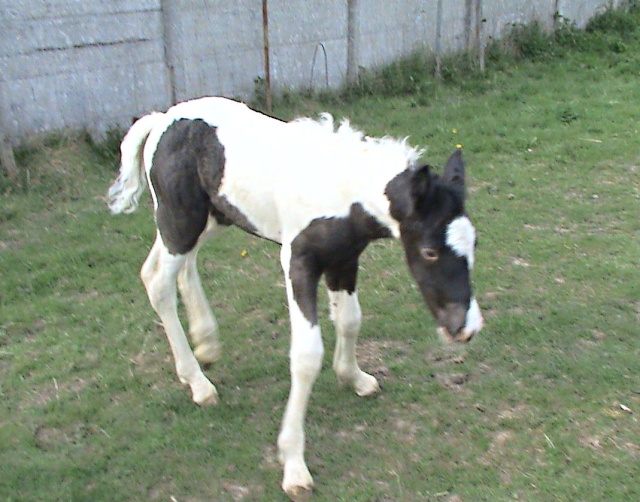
<point>79,63</point>
<point>97,64</point>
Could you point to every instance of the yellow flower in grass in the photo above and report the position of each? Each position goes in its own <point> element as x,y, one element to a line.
<point>244,253</point>
<point>458,145</point>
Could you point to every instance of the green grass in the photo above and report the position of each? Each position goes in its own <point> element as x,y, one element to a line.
<point>91,409</point>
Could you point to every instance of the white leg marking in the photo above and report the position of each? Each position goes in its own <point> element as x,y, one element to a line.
<point>347,317</point>
<point>306,360</point>
<point>203,326</point>
<point>159,274</point>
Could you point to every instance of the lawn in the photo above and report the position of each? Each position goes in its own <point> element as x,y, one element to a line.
<point>542,405</point>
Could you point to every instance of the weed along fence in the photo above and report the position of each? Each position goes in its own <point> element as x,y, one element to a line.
<point>94,64</point>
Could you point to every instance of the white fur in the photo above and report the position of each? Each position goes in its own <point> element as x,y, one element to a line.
<point>203,327</point>
<point>474,320</point>
<point>461,238</point>
<point>347,317</point>
<point>159,274</point>
<point>305,361</point>
<point>283,175</point>
<point>126,190</point>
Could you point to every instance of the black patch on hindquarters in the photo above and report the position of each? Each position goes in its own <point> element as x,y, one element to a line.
<point>183,205</point>
<point>188,167</point>
<point>331,246</point>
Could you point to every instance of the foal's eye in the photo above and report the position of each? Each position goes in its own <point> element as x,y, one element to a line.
<point>429,254</point>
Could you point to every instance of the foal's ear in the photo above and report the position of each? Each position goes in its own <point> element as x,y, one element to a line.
<point>453,174</point>
<point>408,191</point>
<point>420,182</point>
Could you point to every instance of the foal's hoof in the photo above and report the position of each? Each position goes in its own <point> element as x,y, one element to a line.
<point>298,493</point>
<point>211,400</point>
<point>208,353</point>
<point>366,385</point>
<point>207,395</point>
<point>297,482</point>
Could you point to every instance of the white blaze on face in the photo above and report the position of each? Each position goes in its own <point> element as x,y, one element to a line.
<point>474,320</point>
<point>461,238</point>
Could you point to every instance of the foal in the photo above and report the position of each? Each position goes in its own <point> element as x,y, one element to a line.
<point>323,193</point>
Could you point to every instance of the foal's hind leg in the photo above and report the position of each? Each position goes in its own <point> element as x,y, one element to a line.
<point>203,327</point>
<point>159,274</point>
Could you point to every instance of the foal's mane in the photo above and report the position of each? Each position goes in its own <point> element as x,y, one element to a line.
<point>348,136</point>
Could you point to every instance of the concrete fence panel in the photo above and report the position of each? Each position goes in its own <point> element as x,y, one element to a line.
<point>95,64</point>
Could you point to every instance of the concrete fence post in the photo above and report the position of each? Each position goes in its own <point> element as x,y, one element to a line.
<point>352,41</point>
<point>267,51</point>
<point>7,160</point>
<point>479,34</point>
<point>439,40</point>
<point>168,20</point>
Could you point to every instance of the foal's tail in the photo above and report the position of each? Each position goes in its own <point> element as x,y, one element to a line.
<point>124,193</point>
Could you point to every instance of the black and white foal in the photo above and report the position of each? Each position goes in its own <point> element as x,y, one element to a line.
<point>323,193</point>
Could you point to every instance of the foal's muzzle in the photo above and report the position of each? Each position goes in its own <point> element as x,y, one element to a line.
<point>463,336</point>
<point>458,326</point>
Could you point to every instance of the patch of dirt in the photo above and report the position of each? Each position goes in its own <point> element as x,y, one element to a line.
<point>406,427</point>
<point>270,459</point>
<point>453,380</point>
<point>56,390</point>
<point>237,492</point>
<point>447,355</point>
<point>495,454</point>
<point>50,438</point>
<point>372,355</point>
<point>160,490</point>
<point>514,413</point>
<point>404,431</point>
<point>154,354</point>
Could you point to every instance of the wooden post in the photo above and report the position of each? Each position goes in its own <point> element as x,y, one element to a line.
<point>168,17</point>
<point>7,158</point>
<point>439,40</point>
<point>480,34</point>
<point>352,53</point>
<point>267,65</point>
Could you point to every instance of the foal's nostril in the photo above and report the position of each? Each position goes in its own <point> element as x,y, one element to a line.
<point>455,324</point>
<point>454,327</point>
<point>465,336</point>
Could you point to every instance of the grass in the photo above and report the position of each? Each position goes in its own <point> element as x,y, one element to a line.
<point>534,409</point>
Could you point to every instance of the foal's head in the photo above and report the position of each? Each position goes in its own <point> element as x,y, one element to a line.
<point>439,242</point>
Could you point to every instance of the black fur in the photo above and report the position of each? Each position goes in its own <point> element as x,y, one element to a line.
<point>331,246</point>
<point>425,204</point>
<point>187,171</point>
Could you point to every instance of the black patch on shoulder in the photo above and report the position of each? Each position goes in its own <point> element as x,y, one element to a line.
<point>331,246</point>
<point>188,167</point>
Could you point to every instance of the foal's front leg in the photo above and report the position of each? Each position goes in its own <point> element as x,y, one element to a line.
<point>347,317</point>
<point>305,360</point>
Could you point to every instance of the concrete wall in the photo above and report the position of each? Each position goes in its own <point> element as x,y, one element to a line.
<point>96,63</point>
<point>79,63</point>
